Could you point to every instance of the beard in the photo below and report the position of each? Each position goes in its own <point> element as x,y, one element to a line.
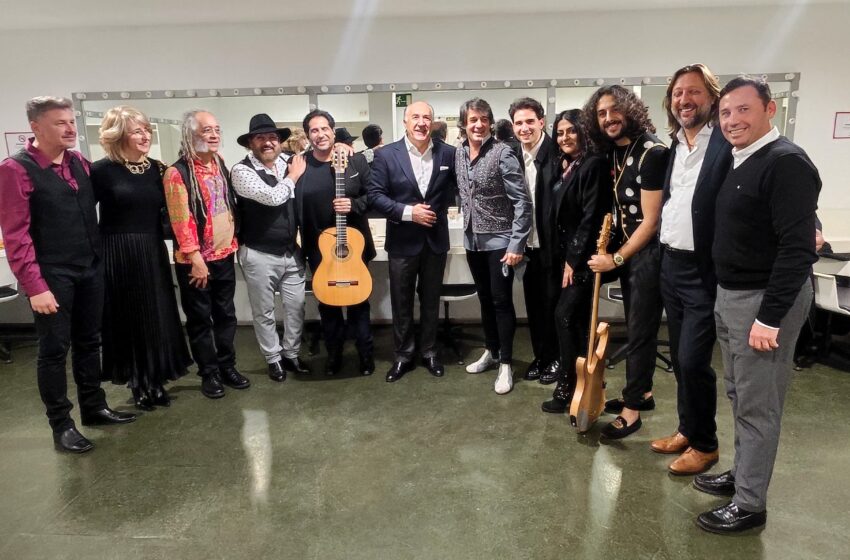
<point>700,117</point>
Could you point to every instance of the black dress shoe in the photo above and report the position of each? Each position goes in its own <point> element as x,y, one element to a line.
<point>730,519</point>
<point>71,441</point>
<point>533,371</point>
<point>231,377</point>
<point>433,365</point>
<point>295,365</point>
<point>398,370</point>
<point>722,484</point>
<point>550,374</point>
<point>619,428</point>
<point>211,387</point>
<point>106,417</point>
<point>276,372</point>
<point>142,400</point>
<point>334,364</point>
<point>160,397</point>
<point>367,365</point>
<point>615,406</point>
<point>555,406</point>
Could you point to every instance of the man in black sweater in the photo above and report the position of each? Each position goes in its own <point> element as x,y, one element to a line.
<point>763,251</point>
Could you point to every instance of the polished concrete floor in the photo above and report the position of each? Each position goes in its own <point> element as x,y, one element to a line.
<point>356,468</point>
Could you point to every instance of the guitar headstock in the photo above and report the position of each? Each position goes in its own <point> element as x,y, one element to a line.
<point>340,159</point>
<point>604,234</point>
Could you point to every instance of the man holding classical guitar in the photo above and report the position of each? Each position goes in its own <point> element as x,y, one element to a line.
<point>413,183</point>
<point>320,207</point>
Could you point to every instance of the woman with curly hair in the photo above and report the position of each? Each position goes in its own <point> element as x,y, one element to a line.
<point>619,125</point>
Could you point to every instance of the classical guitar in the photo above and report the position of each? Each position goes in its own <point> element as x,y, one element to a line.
<point>589,396</point>
<point>342,277</point>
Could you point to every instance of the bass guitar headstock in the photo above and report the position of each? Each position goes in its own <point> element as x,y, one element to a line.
<point>604,234</point>
<point>339,160</point>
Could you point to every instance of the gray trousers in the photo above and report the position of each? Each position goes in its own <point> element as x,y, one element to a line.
<point>756,383</point>
<point>264,275</point>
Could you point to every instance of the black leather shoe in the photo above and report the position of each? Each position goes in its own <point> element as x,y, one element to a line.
<point>334,364</point>
<point>730,519</point>
<point>433,365</point>
<point>533,371</point>
<point>555,406</point>
<point>619,428</point>
<point>398,370</point>
<point>106,417</point>
<point>295,365</point>
<point>367,365</point>
<point>160,397</point>
<point>71,441</point>
<point>550,374</point>
<point>615,406</point>
<point>211,387</point>
<point>142,400</point>
<point>722,484</point>
<point>231,377</point>
<point>276,372</point>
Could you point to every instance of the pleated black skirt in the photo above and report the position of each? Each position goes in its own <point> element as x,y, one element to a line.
<point>143,341</point>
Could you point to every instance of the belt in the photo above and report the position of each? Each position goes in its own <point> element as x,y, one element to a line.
<point>677,252</point>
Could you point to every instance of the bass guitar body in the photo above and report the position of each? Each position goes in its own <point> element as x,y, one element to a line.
<point>589,397</point>
<point>342,277</point>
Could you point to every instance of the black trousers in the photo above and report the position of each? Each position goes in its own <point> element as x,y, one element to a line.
<point>572,319</point>
<point>495,294</point>
<point>427,267</point>
<point>541,285</point>
<point>210,315</point>
<point>640,281</point>
<point>76,326</point>
<point>689,303</point>
<point>334,322</point>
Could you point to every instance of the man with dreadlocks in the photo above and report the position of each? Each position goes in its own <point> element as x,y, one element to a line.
<point>201,206</point>
<point>619,125</point>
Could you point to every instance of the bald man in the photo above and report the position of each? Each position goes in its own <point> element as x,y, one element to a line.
<point>412,185</point>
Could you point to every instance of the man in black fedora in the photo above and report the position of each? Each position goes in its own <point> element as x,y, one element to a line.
<point>270,258</point>
<point>342,136</point>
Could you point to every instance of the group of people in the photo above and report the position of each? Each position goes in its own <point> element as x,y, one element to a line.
<point>717,229</point>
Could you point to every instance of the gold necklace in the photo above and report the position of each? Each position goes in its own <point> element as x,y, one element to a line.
<point>138,168</point>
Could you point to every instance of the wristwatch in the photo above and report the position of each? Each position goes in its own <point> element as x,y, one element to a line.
<point>618,260</point>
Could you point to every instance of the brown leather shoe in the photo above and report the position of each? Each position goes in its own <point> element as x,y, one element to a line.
<point>693,462</point>
<point>676,443</point>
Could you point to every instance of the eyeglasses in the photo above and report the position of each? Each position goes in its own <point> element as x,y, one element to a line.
<point>210,131</point>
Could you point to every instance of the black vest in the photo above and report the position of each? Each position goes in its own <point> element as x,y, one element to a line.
<point>182,167</point>
<point>270,229</point>
<point>63,222</point>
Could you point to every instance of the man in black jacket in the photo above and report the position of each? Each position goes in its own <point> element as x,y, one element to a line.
<point>763,251</point>
<point>700,158</point>
<point>542,279</point>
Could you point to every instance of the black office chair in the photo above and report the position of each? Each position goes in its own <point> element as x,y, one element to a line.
<point>615,294</point>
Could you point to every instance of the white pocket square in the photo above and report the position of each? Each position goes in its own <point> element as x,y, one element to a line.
<point>443,167</point>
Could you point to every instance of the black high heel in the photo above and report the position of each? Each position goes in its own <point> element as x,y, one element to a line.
<point>160,397</point>
<point>142,399</point>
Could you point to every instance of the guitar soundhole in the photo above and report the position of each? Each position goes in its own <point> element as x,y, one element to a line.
<point>342,251</point>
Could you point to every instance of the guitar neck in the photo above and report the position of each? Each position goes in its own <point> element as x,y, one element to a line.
<point>341,222</point>
<point>594,316</point>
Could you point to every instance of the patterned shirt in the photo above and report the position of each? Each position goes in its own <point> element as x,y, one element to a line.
<point>214,194</point>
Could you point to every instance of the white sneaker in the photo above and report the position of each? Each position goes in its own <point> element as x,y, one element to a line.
<point>485,362</point>
<point>505,379</point>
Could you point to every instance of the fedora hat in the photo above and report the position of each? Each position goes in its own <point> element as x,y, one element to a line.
<point>342,135</point>
<point>261,124</point>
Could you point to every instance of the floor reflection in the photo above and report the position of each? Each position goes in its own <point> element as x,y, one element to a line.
<point>256,441</point>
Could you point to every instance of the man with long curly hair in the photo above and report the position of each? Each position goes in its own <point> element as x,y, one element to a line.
<point>619,126</point>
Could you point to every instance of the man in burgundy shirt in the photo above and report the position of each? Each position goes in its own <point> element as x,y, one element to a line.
<point>49,224</point>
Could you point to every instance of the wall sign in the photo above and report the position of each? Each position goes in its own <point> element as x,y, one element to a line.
<point>16,141</point>
<point>841,128</point>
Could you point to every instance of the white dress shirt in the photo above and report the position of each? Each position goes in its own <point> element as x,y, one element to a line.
<point>740,156</point>
<point>423,167</point>
<point>677,224</point>
<point>528,157</point>
<point>249,184</point>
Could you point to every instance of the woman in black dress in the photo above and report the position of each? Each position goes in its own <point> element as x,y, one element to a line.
<point>143,343</point>
<point>583,196</point>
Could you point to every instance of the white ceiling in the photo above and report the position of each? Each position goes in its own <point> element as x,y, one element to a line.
<point>47,14</point>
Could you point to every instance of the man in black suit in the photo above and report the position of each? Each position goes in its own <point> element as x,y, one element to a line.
<point>413,182</point>
<point>317,206</point>
<point>542,280</point>
<point>700,159</point>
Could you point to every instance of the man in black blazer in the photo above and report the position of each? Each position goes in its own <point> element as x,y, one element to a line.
<point>700,159</point>
<point>542,279</point>
<point>412,184</point>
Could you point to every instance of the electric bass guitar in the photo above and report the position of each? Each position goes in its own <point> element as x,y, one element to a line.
<point>589,396</point>
<point>342,277</point>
